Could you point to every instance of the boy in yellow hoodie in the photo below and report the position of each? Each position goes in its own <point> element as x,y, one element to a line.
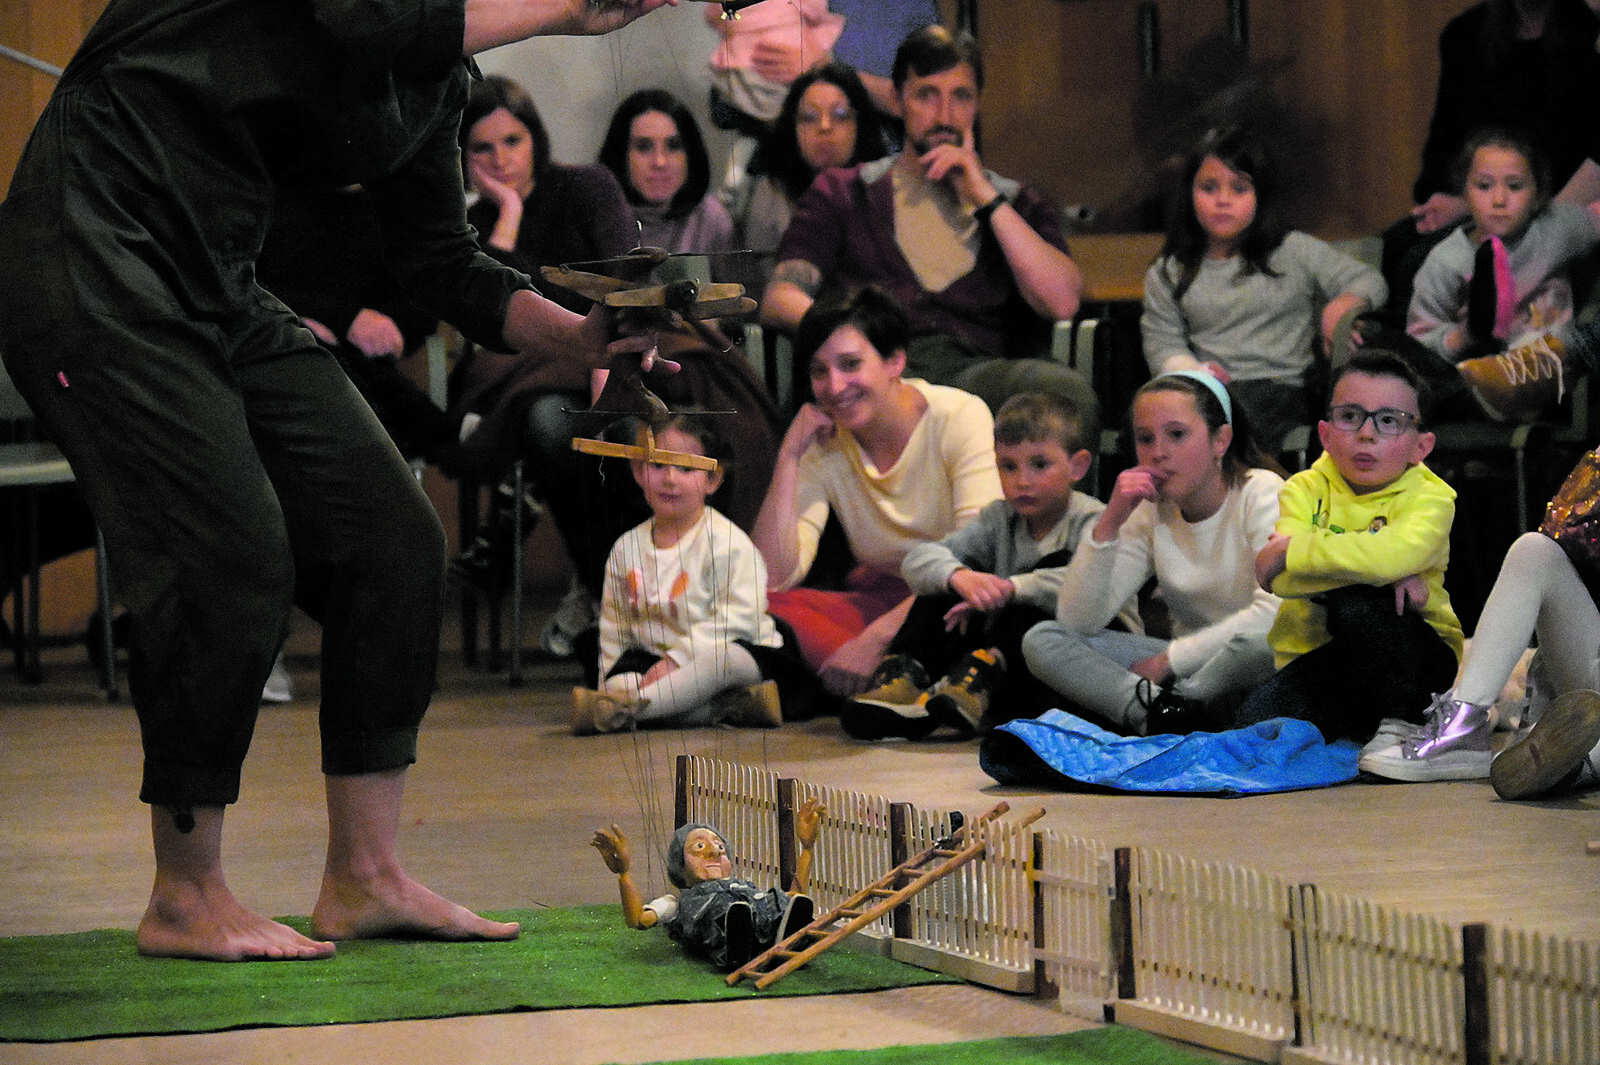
<point>1365,631</point>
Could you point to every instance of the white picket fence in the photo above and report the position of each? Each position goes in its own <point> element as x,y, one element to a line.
<point>1215,954</point>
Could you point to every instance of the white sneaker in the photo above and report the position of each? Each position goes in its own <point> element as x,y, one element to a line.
<point>574,615</point>
<point>279,688</point>
<point>1453,744</point>
<point>1391,732</point>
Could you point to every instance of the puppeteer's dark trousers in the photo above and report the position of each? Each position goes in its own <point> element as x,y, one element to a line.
<point>229,461</point>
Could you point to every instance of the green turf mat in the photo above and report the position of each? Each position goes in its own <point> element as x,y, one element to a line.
<point>1096,1046</point>
<point>87,985</point>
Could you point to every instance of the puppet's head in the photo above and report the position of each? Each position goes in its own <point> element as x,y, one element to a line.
<point>698,853</point>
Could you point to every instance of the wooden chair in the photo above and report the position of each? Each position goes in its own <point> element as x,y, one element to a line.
<point>29,466</point>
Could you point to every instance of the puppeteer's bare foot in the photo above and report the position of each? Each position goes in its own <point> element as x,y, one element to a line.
<point>392,905</point>
<point>191,922</point>
<point>192,914</point>
<point>366,894</point>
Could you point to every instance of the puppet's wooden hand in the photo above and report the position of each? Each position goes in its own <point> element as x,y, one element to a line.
<point>807,820</point>
<point>613,848</point>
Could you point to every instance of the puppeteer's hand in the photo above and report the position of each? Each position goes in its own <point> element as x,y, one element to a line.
<point>610,340</point>
<point>613,848</point>
<point>603,16</point>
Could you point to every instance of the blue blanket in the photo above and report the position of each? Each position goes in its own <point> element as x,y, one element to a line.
<point>1060,750</point>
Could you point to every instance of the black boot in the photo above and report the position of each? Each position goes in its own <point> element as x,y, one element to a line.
<point>739,936</point>
<point>486,562</point>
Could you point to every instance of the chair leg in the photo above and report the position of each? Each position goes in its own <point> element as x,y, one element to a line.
<point>514,678</point>
<point>467,526</point>
<point>19,599</point>
<point>28,613</point>
<point>108,643</point>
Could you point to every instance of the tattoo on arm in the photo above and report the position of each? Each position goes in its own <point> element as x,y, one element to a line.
<point>800,273</point>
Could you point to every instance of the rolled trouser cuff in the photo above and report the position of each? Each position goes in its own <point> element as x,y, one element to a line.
<point>371,752</point>
<point>171,784</point>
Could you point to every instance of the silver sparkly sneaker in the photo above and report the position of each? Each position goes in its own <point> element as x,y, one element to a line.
<point>1452,744</point>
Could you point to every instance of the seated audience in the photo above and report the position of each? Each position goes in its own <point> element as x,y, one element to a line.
<point>1544,590</point>
<point>1192,514</point>
<point>761,53</point>
<point>827,120</point>
<point>758,56</point>
<point>1521,64</point>
<point>654,148</point>
<point>1494,300</point>
<point>977,260</point>
<point>1524,64</point>
<point>532,212</point>
<point>982,587</point>
<point>1238,292</point>
<point>899,462</point>
<point>1365,631</point>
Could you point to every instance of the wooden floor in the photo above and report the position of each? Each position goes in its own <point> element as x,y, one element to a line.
<point>504,800</point>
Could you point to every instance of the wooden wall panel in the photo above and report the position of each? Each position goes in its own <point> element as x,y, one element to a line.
<point>1363,77</point>
<point>48,30</point>
<point>1067,106</point>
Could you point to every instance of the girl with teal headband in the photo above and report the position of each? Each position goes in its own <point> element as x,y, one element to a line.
<point>1192,513</point>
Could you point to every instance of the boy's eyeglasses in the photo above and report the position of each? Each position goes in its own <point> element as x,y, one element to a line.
<point>1389,421</point>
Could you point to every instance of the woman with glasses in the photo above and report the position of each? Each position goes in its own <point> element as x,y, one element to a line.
<point>827,120</point>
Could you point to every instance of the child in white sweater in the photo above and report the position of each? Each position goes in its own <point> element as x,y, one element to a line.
<point>683,617</point>
<point>1192,514</point>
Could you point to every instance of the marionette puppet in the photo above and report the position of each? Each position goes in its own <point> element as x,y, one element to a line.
<point>715,914</point>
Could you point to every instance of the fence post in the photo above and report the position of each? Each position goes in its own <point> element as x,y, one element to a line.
<point>788,859</point>
<point>1122,921</point>
<point>899,854</point>
<point>1043,985</point>
<point>1475,981</point>
<point>680,793</point>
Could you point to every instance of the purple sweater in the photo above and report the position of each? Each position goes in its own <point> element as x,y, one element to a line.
<point>844,226</point>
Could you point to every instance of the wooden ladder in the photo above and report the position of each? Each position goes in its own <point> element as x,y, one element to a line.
<point>873,901</point>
